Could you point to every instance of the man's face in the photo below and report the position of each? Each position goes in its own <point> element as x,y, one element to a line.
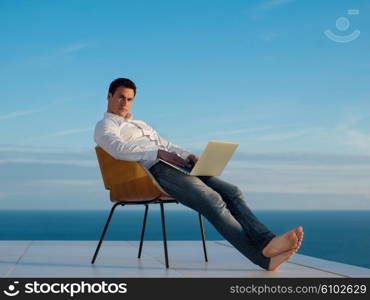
<point>120,102</point>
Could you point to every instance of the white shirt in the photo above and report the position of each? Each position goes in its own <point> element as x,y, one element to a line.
<point>132,140</point>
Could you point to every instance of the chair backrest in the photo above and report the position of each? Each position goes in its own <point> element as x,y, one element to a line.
<point>115,171</point>
<point>127,180</point>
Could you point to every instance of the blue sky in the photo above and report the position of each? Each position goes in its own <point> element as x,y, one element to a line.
<point>260,73</point>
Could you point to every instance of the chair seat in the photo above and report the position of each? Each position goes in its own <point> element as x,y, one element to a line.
<point>151,201</point>
<point>129,192</point>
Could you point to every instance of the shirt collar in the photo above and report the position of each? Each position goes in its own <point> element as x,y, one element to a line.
<point>108,115</point>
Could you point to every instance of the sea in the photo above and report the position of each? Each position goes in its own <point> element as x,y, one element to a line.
<point>342,236</point>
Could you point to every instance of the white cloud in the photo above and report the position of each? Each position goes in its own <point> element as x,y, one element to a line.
<point>277,174</point>
<point>302,173</point>
<point>65,182</point>
<point>352,136</point>
<point>75,47</point>
<point>59,133</point>
<point>303,180</point>
<point>43,149</point>
<point>271,36</point>
<point>273,4</point>
<point>201,139</point>
<point>357,139</point>
<point>6,195</point>
<point>20,113</point>
<point>301,159</point>
<point>243,130</point>
<point>49,57</point>
<point>263,7</point>
<point>348,122</point>
<point>80,163</point>
<point>70,131</point>
<point>289,135</point>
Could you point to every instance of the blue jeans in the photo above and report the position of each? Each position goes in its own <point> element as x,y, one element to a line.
<point>223,205</point>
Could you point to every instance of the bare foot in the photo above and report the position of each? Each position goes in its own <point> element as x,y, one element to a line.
<point>277,260</point>
<point>287,241</point>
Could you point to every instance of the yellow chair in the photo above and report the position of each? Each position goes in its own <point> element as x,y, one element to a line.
<point>129,184</point>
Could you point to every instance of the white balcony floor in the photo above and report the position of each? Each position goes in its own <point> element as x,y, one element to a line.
<point>119,259</point>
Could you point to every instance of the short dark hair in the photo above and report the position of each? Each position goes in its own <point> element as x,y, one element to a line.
<point>127,83</point>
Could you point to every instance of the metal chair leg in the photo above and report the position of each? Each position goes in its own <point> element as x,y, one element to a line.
<point>164,235</point>
<point>104,231</point>
<point>143,230</point>
<point>203,237</point>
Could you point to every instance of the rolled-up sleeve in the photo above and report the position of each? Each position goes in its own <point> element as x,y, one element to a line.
<point>107,136</point>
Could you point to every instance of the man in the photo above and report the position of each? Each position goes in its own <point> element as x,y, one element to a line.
<point>220,202</point>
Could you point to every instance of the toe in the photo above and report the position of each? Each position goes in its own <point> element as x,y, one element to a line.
<point>300,235</point>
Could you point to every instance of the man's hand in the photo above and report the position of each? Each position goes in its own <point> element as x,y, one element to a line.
<point>192,159</point>
<point>173,158</point>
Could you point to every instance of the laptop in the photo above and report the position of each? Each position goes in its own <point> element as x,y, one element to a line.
<point>212,161</point>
